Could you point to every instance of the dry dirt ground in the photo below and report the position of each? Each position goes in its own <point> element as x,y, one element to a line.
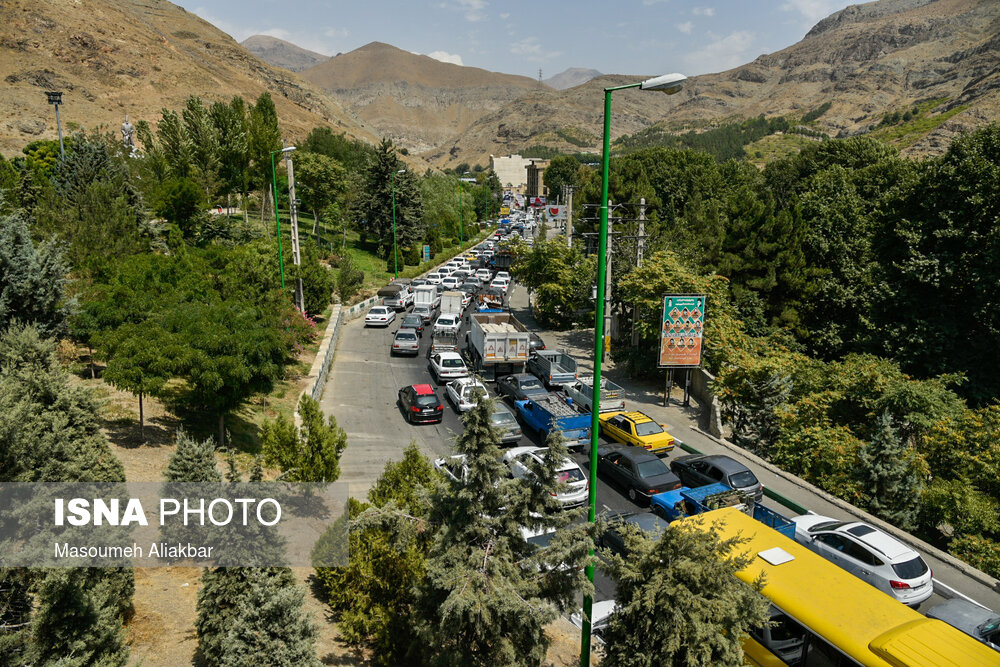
<point>161,631</point>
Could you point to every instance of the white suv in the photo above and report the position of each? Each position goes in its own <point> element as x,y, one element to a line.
<point>869,554</point>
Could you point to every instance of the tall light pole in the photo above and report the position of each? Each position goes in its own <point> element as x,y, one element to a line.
<point>669,84</point>
<point>461,218</point>
<point>55,99</point>
<point>277,220</point>
<point>395,252</point>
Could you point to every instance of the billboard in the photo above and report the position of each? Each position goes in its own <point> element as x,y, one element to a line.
<point>556,212</point>
<point>504,210</point>
<point>681,330</point>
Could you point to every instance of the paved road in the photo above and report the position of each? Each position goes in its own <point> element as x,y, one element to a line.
<point>361,393</point>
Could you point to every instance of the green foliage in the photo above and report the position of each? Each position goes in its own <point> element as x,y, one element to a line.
<point>354,155</point>
<point>561,171</point>
<point>560,279</point>
<point>203,138</point>
<point>181,201</point>
<point>320,181</point>
<point>488,593</point>
<point>374,203</point>
<point>718,609</point>
<point>725,142</point>
<point>980,552</point>
<point>77,622</point>
<point>253,616</point>
<point>891,475</point>
<point>576,136</point>
<point>810,116</point>
<point>307,454</point>
<point>263,137</point>
<point>230,124</point>
<point>374,594</point>
<point>193,461</point>
<point>349,278</point>
<point>317,280</point>
<point>32,279</point>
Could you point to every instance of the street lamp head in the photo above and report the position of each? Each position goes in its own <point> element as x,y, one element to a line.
<point>288,149</point>
<point>667,83</point>
<point>55,97</point>
<point>400,171</point>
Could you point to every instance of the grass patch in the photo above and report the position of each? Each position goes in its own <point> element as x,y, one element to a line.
<point>909,132</point>
<point>775,147</point>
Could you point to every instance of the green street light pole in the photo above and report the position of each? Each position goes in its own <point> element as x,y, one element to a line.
<point>277,220</point>
<point>395,253</point>
<point>461,218</point>
<point>670,84</point>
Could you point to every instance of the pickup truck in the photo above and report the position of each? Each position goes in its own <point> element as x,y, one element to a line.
<point>581,391</point>
<point>550,411</point>
<point>682,502</point>
<point>396,295</point>
<point>552,367</point>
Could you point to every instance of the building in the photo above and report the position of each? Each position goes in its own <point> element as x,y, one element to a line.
<point>511,171</point>
<point>536,177</point>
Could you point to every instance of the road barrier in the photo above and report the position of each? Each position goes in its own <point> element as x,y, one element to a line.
<point>324,358</point>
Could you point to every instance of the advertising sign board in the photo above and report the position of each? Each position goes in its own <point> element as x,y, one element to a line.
<point>683,324</point>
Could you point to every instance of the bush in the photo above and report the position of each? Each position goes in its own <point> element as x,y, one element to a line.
<point>979,552</point>
<point>392,266</point>
<point>412,255</point>
<point>349,278</point>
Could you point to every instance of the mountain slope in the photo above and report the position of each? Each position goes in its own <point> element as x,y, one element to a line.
<point>865,60</point>
<point>117,57</point>
<point>416,100</point>
<point>569,78</point>
<point>279,53</point>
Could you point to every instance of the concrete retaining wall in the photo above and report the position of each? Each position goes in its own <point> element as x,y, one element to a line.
<point>324,358</point>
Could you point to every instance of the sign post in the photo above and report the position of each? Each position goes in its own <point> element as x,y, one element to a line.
<point>681,333</point>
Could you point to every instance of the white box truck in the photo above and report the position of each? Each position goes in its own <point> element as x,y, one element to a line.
<point>451,302</point>
<point>498,344</point>
<point>426,295</point>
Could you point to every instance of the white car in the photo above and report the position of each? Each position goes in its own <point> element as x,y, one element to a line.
<point>576,489</point>
<point>501,284</point>
<point>451,282</point>
<point>381,316</point>
<point>464,393</point>
<point>484,275</point>
<point>600,614</point>
<point>448,366</point>
<point>453,467</point>
<point>869,554</point>
<point>504,275</point>
<point>434,278</point>
<point>448,322</point>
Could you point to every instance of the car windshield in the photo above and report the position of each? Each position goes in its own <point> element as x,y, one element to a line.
<point>742,480</point>
<point>452,363</point>
<point>570,476</point>
<point>827,525</point>
<point>427,400</point>
<point>647,428</point>
<point>541,541</point>
<point>502,419</point>
<point>410,319</point>
<point>530,384</point>
<point>651,468</point>
<point>446,321</point>
<point>379,311</point>
<point>911,569</point>
<point>406,335</point>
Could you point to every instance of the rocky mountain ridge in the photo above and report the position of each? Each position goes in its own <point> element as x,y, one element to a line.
<point>279,53</point>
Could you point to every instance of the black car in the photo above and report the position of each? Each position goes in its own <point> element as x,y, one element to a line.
<point>613,538</point>
<point>470,287</point>
<point>535,343</point>
<point>415,322</point>
<point>700,470</point>
<point>636,471</point>
<point>520,387</point>
<point>421,404</point>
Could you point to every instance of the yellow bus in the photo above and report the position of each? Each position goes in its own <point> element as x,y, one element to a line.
<point>823,616</point>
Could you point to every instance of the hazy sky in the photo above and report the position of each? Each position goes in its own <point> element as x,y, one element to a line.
<point>521,37</point>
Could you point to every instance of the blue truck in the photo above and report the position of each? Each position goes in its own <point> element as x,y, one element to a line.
<point>550,411</point>
<point>672,505</point>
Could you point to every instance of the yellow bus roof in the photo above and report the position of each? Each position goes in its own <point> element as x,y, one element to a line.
<point>840,607</point>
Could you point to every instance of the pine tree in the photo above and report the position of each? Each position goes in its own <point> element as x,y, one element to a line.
<point>32,279</point>
<point>891,476</point>
<point>375,198</point>
<point>489,593</point>
<point>253,616</point>
<point>310,453</point>
<point>193,461</point>
<point>77,622</point>
<point>692,612</point>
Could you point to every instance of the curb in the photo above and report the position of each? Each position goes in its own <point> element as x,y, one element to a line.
<point>321,364</point>
<point>918,544</point>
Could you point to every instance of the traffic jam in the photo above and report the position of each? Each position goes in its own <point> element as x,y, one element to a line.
<point>457,320</point>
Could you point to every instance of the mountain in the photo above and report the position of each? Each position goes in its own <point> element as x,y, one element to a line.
<point>280,53</point>
<point>419,102</point>
<point>865,61</point>
<point>116,57</point>
<point>570,78</point>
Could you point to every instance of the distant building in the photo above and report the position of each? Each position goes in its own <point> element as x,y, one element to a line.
<point>511,171</point>
<point>536,177</point>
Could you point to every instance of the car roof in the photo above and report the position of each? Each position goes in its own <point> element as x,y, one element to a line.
<point>880,541</point>
<point>406,332</point>
<point>449,355</point>
<point>423,389</point>
<point>721,461</point>
<point>634,454</point>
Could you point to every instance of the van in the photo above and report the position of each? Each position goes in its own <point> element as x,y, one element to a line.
<point>396,296</point>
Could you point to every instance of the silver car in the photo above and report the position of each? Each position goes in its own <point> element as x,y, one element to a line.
<point>504,421</point>
<point>405,341</point>
<point>575,488</point>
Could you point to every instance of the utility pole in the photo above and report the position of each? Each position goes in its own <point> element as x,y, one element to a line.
<point>55,99</point>
<point>296,256</point>
<point>640,248</point>
<point>568,194</point>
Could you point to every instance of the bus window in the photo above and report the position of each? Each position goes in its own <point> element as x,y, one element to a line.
<point>821,654</point>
